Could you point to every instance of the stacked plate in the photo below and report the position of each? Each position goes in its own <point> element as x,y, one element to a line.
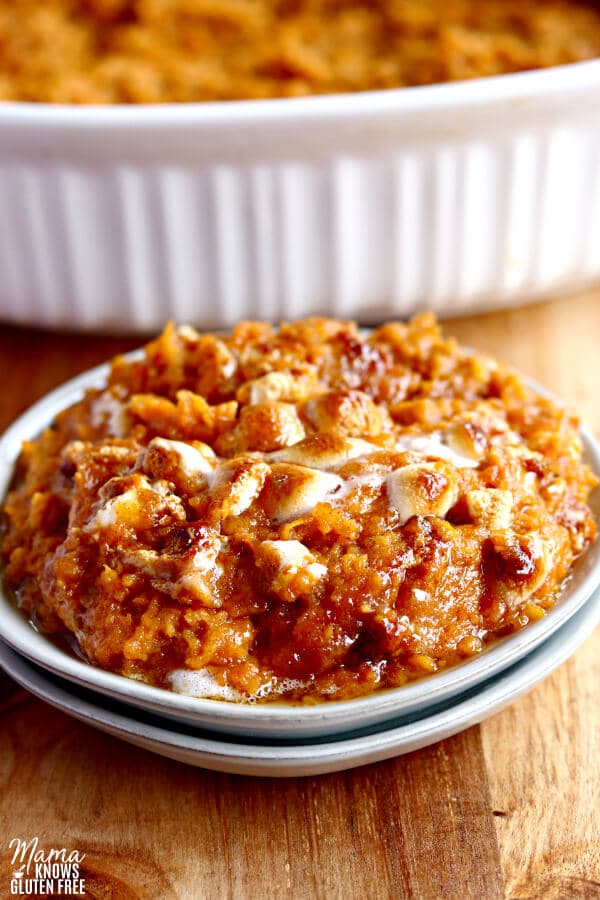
<point>279,739</point>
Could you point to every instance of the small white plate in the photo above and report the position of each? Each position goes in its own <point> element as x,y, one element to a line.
<point>220,754</point>
<point>276,720</point>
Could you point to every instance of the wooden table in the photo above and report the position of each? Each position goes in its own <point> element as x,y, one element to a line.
<point>510,808</point>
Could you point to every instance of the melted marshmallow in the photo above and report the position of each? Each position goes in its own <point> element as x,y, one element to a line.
<point>433,445</point>
<point>108,514</point>
<point>108,411</point>
<point>293,555</point>
<point>193,462</point>
<point>317,453</point>
<point>201,683</point>
<point>310,486</point>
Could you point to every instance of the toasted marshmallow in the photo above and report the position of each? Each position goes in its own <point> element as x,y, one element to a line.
<point>291,556</point>
<point>149,562</point>
<point>325,451</point>
<point>108,514</point>
<point>238,483</point>
<point>195,578</point>
<point>188,333</point>
<point>433,445</point>
<point>296,490</point>
<point>290,568</point>
<point>178,461</point>
<point>274,387</point>
<point>137,507</point>
<point>520,564</point>
<point>467,440</point>
<point>177,577</point>
<point>422,489</point>
<point>490,507</point>
<point>366,485</point>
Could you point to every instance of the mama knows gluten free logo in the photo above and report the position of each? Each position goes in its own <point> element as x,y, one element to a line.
<point>45,873</point>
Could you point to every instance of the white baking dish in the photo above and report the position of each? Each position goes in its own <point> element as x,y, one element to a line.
<point>454,197</point>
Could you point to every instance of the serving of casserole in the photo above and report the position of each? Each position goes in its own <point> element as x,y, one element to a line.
<point>304,513</point>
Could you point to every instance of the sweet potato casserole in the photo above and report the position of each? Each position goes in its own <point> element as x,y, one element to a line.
<point>303,513</point>
<point>157,51</point>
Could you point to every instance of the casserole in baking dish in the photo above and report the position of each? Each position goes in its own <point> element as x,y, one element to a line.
<point>374,204</point>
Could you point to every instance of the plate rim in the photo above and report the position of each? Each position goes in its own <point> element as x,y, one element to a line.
<point>210,752</point>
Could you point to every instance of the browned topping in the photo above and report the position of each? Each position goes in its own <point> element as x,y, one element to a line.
<point>158,51</point>
<point>309,512</point>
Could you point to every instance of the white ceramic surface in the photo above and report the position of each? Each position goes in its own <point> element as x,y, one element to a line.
<point>453,197</point>
<point>274,720</point>
<point>211,752</point>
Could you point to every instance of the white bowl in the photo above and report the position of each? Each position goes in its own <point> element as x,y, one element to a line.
<point>453,197</point>
<point>222,755</point>
<point>275,720</point>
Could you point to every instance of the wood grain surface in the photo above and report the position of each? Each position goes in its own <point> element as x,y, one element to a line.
<point>508,809</point>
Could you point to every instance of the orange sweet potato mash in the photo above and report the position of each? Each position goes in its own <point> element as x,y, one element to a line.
<point>159,51</point>
<point>302,513</point>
